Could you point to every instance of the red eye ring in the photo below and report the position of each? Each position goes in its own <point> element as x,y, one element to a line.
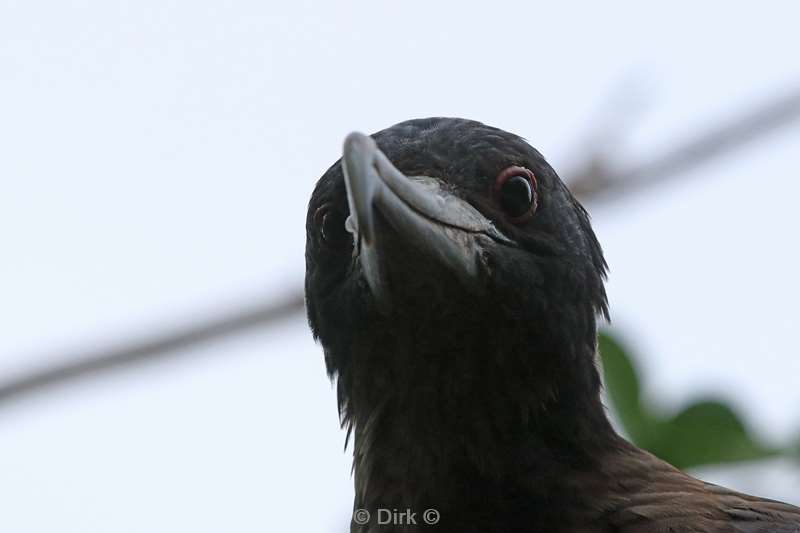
<point>500,181</point>
<point>330,224</point>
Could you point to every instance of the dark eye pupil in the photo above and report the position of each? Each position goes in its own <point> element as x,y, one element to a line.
<point>333,230</point>
<point>516,196</point>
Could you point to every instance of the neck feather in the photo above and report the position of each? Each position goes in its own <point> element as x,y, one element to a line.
<point>439,411</point>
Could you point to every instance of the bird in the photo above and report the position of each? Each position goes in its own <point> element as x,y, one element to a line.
<point>456,287</point>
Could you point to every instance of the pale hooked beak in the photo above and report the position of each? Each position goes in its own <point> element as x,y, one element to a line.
<point>422,210</point>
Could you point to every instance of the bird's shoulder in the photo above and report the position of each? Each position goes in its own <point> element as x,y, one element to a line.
<point>648,495</point>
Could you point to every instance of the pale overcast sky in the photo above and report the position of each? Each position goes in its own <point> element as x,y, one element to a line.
<point>157,158</point>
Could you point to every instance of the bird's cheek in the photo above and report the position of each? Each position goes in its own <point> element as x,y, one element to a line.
<point>486,267</point>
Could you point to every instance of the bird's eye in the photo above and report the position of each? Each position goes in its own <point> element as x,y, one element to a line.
<point>515,191</point>
<point>330,224</point>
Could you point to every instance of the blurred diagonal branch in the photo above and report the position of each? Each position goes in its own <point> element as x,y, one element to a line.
<point>597,180</point>
<point>593,183</point>
<point>158,346</point>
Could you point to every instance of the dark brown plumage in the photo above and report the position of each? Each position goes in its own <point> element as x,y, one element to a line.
<point>454,283</point>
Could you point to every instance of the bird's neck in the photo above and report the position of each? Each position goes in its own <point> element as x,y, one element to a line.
<point>437,416</point>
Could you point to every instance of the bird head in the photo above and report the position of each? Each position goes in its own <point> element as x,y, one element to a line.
<point>446,255</point>
<point>455,283</point>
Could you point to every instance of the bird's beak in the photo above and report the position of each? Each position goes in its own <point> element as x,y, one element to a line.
<point>420,209</point>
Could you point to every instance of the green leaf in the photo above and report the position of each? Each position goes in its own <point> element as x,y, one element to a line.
<point>622,386</point>
<point>707,432</point>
